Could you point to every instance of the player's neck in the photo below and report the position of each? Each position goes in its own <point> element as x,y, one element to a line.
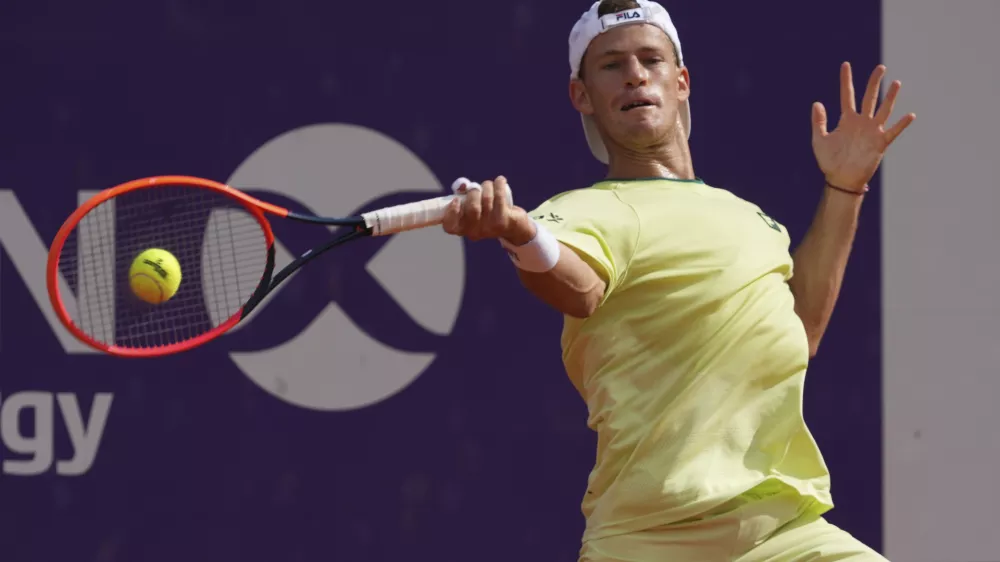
<point>669,161</point>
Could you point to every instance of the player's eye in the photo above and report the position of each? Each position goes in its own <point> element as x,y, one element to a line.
<point>611,65</point>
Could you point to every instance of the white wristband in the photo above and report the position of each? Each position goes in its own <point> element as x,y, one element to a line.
<point>539,255</point>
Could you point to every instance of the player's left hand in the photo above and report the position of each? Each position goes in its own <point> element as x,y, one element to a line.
<point>850,154</point>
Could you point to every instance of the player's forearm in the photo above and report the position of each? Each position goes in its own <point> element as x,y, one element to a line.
<point>571,287</point>
<point>820,262</point>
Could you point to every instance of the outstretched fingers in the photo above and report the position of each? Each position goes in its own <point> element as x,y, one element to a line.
<point>847,103</point>
<point>898,128</point>
<point>888,104</point>
<point>870,100</point>
<point>819,121</point>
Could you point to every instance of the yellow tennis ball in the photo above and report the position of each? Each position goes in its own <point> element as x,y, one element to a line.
<point>155,276</point>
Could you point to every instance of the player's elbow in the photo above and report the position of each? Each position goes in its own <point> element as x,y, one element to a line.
<point>813,335</point>
<point>814,329</point>
<point>584,305</point>
<point>578,304</point>
<point>579,300</point>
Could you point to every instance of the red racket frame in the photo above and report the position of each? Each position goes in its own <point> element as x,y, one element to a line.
<point>254,206</point>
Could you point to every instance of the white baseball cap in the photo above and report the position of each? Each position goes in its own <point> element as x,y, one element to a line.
<point>590,25</point>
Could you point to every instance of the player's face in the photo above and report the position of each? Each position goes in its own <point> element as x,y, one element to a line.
<point>632,86</point>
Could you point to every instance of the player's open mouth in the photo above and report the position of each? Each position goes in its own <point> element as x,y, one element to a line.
<point>638,103</point>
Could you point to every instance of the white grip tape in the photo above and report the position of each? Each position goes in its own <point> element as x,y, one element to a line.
<point>411,216</point>
<point>539,255</point>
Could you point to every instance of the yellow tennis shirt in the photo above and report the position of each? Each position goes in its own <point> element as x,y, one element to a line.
<point>693,366</point>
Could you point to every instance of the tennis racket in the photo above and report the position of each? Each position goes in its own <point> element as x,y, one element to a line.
<point>222,241</point>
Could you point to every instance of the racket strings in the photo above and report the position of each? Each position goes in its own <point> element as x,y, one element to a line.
<point>92,291</point>
<point>220,247</point>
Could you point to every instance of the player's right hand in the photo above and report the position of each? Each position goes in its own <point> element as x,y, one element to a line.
<point>486,213</point>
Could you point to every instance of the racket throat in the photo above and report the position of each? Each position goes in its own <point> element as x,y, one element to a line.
<point>263,288</point>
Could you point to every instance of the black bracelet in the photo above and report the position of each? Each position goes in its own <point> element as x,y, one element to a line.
<point>851,191</point>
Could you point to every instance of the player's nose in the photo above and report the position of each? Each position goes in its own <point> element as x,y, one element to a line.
<point>636,74</point>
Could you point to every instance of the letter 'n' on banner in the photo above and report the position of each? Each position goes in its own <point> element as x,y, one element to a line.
<point>24,246</point>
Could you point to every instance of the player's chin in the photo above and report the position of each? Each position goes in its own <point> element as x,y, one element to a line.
<point>644,130</point>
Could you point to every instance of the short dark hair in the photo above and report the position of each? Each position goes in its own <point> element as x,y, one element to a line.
<point>613,7</point>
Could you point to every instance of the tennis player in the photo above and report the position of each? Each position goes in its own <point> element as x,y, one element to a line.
<point>686,332</point>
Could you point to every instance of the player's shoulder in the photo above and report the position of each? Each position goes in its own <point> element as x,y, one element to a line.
<point>725,195</point>
<point>742,205</point>
<point>591,193</point>
<point>592,200</point>
<point>715,191</point>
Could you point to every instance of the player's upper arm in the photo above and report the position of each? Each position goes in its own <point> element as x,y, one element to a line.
<point>597,226</point>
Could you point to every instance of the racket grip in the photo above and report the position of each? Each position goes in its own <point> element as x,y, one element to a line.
<point>411,216</point>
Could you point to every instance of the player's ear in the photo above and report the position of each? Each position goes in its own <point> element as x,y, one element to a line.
<point>683,85</point>
<point>579,96</point>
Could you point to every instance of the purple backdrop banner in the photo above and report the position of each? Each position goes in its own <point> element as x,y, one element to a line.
<point>399,399</point>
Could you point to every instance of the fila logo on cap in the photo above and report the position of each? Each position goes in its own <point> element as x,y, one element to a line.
<point>628,16</point>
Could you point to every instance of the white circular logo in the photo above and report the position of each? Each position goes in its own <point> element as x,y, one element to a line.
<point>333,170</point>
